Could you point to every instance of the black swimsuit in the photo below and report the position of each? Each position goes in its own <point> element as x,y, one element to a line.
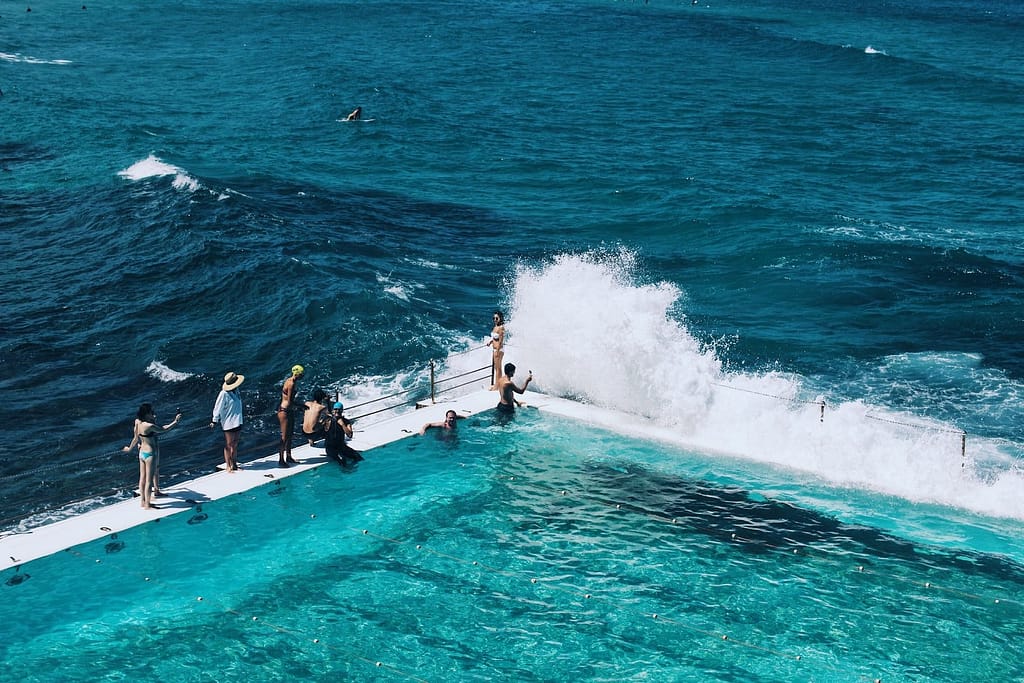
<point>506,393</point>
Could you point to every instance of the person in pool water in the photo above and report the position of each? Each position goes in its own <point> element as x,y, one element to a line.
<point>146,431</point>
<point>448,424</point>
<point>286,416</point>
<point>497,344</point>
<point>508,389</point>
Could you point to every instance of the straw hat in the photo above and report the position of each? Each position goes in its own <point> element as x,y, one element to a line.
<point>232,381</point>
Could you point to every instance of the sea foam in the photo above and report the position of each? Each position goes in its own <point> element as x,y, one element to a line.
<point>158,370</point>
<point>153,167</point>
<point>8,57</point>
<point>590,328</point>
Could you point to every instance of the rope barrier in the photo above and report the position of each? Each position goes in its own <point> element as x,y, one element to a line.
<point>817,402</point>
<point>869,416</point>
<point>761,393</point>
<point>821,402</point>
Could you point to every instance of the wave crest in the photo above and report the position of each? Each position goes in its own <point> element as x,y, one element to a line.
<point>159,371</point>
<point>154,167</point>
<point>590,330</point>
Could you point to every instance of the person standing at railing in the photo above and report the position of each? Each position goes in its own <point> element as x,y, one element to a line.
<point>286,416</point>
<point>146,432</point>
<point>497,344</point>
<point>227,412</point>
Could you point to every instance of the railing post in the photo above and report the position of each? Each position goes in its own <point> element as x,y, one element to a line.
<point>432,381</point>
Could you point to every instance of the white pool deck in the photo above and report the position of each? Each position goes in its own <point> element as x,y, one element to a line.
<point>19,548</point>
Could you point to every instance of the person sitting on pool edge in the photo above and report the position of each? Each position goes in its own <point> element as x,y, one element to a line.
<point>507,390</point>
<point>337,430</point>
<point>448,424</point>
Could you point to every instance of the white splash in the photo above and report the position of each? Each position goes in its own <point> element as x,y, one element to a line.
<point>8,57</point>
<point>590,329</point>
<point>157,370</point>
<point>396,288</point>
<point>153,167</point>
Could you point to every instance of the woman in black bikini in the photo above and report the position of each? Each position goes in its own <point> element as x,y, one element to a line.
<point>286,417</point>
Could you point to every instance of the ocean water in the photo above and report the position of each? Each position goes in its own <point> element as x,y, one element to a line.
<point>716,217</point>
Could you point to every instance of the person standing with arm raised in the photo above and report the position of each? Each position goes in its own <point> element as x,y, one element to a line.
<point>146,431</point>
<point>508,389</point>
<point>227,412</point>
<point>286,416</point>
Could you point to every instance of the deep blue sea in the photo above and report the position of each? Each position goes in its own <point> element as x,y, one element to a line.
<point>712,215</point>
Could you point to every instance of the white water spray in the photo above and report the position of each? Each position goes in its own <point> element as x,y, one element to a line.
<point>589,331</point>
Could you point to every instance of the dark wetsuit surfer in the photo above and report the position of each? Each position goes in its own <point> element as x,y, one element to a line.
<point>337,431</point>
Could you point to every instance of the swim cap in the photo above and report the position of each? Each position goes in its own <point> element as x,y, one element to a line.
<point>338,406</point>
<point>298,369</point>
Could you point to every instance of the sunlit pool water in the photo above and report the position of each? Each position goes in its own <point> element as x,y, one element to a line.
<point>540,550</point>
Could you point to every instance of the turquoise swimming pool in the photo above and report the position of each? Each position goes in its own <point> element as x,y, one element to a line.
<point>540,550</point>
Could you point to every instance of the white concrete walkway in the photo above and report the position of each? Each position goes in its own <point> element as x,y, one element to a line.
<point>16,549</point>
